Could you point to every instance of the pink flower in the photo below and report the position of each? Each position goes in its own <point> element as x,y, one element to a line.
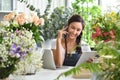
<point>97,33</point>
<point>112,34</point>
<point>20,18</point>
<point>9,16</point>
<point>38,21</point>
<point>105,34</point>
<point>41,21</point>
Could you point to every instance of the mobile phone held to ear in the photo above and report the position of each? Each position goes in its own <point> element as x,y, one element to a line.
<point>65,35</point>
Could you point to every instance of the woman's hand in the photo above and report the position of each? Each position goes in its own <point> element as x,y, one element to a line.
<point>62,32</point>
<point>90,60</point>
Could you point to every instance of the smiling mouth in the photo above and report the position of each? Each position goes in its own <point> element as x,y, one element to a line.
<point>72,35</point>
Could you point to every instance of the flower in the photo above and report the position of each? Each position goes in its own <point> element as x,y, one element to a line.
<point>106,27</point>
<point>17,48</point>
<point>21,21</point>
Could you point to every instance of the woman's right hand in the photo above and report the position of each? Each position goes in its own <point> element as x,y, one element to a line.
<point>62,32</point>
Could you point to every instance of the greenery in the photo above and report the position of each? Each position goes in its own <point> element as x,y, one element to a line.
<point>108,48</point>
<point>56,21</point>
<point>77,69</point>
<point>106,27</point>
<point>89,10</point>
<point>108,66</point>
<point>6,71</point>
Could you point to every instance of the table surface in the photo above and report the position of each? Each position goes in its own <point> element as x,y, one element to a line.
<point>46,74</point>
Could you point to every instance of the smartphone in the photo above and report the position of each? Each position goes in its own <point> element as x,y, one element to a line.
<point>65,35</point>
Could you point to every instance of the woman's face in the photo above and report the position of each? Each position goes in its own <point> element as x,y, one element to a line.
<point>74,30</point>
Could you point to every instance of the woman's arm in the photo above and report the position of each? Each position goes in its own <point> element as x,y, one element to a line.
<point>57,52</point>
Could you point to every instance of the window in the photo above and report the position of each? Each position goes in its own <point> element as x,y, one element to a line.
<point>6,5</point>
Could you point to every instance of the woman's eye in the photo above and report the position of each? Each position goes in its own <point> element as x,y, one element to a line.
<point>78,29</point>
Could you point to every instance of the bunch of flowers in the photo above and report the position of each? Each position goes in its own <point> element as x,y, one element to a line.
<point>106,27</point>
<point>17,48</point>
<point>21,21</point>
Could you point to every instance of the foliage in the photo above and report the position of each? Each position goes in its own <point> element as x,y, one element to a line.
<point>77,69</point>
<point>106,27</point>
<point>6,71</point>
<point>32,8</point>
<point>108,66</point>
<point>56,21</point>
<point>88,9</point>
<point>110,56</point>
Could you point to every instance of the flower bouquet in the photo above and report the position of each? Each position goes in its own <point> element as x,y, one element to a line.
<point>18,47</point>
<point>20,21</point>
<point>18,50</point>
<point>106,27</point>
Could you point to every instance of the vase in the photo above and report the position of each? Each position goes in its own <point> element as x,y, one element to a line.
<point>5,72</point>
<point>30,70</point>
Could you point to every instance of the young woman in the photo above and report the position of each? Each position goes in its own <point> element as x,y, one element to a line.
<point>68,49</point>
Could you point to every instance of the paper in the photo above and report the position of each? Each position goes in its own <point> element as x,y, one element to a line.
<point>86,56</point>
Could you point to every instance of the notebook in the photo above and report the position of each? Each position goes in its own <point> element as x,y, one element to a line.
<point>48,59</point>
<point>86,56</point>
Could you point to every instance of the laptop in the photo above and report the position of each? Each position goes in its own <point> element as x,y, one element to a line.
<point>86,56</point>
<point>48,59</point>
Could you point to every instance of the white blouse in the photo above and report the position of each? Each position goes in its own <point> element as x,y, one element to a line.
<point>85,47</point>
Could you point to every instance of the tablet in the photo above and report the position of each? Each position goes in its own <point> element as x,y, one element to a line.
<point>86,56</point>
<point>48,59</point>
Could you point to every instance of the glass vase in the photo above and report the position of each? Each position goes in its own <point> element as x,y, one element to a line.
<point>30,70</point>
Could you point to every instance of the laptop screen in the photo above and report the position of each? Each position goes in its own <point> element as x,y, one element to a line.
<point>48,59</point>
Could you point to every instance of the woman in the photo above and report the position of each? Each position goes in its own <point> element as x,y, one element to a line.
<point>67,50</point>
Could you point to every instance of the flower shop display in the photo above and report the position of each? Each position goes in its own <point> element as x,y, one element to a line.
<point>19,53</point>
<point>21,21</point>
<point>106,27</point>
<point>107,66</point>
<point>106,36</point>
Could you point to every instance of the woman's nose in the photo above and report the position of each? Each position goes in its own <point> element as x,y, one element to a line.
<point>74,31</point>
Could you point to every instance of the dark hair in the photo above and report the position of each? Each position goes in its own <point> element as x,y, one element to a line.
<point>77,18</point>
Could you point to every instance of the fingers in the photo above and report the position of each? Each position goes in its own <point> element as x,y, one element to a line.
<point>62,32</point>
<point>90,60</point>
<point>65,28</point>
